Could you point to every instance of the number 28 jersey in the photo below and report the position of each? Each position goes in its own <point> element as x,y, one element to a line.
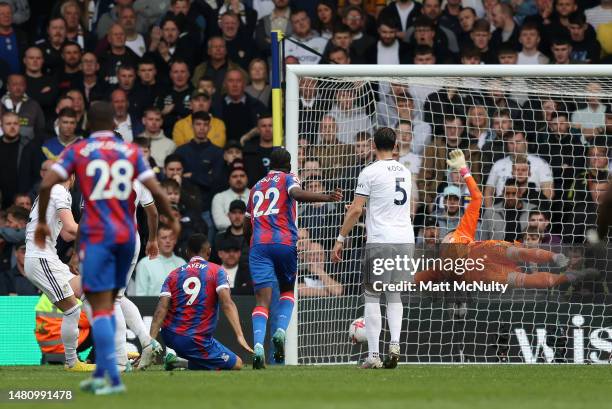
<point>272,210</point>
<point>105,167</point>
<point>387,184</point>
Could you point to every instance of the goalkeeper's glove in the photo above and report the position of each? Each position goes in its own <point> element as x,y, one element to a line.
<point>560,260</point>
<point>456,161</point>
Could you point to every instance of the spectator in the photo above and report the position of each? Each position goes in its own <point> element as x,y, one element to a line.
<point>427,34</point>
<point>331,153</point>
<point>581,216</point>
<point>147,88</point>
<point>238,190</point>
<point>20,159</point>
<point>240,48</point>
<point>161,146</point>
<point>167,44</point>
<point>72,75</point>
<point>326,18</point>
<point>278,19</point>
<point>350,117</point>
<point>239,110</point>
<point>12,235</point>
<point>303,34</point>
<point>507,54</point>
<point>126,79</point>
<point>94,89</point>
<point>118,54</point>
<point>529,37</point>
<point>319,218</point>
<point>39,86</point>
<point>507,219</point>
<point>493,150</point>
<point>343,39</point>
<point>66,136</point>
<point>229,251</point>
<point>429,234</point>
<point>481,37</point>
<point>541,221</point>
<point>204,162</point>
<point>601,14</point>
<point>540,175</point>
<point>450,16</point>
<point>235,231</point>
<point>151,273</point>
<point>449,214</point>
<point>585,47</point>
<point>312,106</point>
<point>14,281</point>
<point>506,29</point>
<point>189,196</point>
<point>355,18</point>
<point>175,102</point>
<point>339,55</point>
<point>248,16</point>
<point>470,56</point>
<point>52,46</point>
<point>593,116</point>
<point>133,39</point>
<point>78,104</point>
<point>13,42</point>
<point>314,281</point>
<point>401,15</point>
<point>561,49</point>
<point>183,129</point>
<point>527,190</point>
<point>478,126</point>
<point>23,200</point>
<point>467,18</point>
<point>388,49</point>
<point>257,152</point>
<point>259,87</point>
<point>444,37</point>
<point>218,63</point>
<point>75,32</point>
<point>31,117</point>
<point>114,16</point>
<point>126,125</point>
<point>407,157</point>
<point>434,167</point>
<point>596,169</point>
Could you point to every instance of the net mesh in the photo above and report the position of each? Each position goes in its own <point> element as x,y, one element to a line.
<point>547,135</point>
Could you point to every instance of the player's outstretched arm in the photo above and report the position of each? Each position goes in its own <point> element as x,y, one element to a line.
<point>353,213</point>
<point>162,201</point>
<point>158,317</point>
<point>302,195</point>
<point>152,250</point>
<point>231,312</point>
<point>469,221</point>
<point>44,194</point>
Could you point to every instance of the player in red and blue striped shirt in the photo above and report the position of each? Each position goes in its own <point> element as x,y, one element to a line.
<point>105,167</point>
<point>188,309</point>
<point>273,256</point>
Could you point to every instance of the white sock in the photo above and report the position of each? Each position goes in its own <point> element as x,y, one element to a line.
<point>70,333</point>
<point>120,336</point>
<point>373,323</point>
<point>134,321</point>
<point>395,313</point>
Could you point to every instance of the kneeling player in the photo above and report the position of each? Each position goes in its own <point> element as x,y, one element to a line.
<point>187,313</point>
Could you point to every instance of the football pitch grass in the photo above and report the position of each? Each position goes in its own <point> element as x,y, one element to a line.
<point>409,386</point>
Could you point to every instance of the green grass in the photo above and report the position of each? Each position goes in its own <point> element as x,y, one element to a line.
<point>409,386</point>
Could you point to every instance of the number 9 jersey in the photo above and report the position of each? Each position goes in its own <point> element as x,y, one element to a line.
<point>272,210</point>
<point>105,167</point>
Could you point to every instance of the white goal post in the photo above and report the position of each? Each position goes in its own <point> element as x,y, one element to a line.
<point>529,326</point>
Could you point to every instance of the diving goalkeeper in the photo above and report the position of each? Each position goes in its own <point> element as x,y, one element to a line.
<point>499,258</point>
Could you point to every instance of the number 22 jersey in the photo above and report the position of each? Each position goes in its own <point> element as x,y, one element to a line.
<point>272,210</point>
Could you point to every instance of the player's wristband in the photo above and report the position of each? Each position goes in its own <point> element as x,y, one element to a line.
<point>340,238</point>
<point>464,171</point>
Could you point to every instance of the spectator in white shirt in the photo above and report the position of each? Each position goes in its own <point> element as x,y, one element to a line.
<point>529,37</point>
<point>238,189</point>
<point>303,33</point>
<point>601,14</point>
<point>350,118</point>
<point>593,116</point>
<point>540,174</point>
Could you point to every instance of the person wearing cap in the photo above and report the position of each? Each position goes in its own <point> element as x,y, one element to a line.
<point>235,231</point>
<point>449,214</point>
<point>183,129</point>
<point>238,189</point>
<point>14,281</point>
<point>238,275</point>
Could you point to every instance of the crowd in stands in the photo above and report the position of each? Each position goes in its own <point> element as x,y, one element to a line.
<point>189,83</point>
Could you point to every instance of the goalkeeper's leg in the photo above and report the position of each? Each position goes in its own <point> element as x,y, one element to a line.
<point>542,279</point>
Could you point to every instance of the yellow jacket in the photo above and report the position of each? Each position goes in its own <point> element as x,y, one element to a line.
<point>183,132</point>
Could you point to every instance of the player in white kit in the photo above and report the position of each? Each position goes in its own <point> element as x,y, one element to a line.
<point>46,271</point>
<point>385,187</point>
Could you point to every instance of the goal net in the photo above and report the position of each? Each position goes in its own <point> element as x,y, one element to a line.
<point>538,148</point>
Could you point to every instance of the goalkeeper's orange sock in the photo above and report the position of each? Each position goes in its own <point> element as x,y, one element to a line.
<point>536,280</point>
<point>538,256</point>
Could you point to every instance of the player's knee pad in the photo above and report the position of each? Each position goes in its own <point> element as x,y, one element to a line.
<point>393,297</point>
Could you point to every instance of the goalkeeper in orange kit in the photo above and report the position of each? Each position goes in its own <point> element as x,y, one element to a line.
<point>499,259</point>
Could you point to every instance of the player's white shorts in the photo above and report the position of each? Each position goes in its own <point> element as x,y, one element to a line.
<point>51,276</point>
<point>121,291</point>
